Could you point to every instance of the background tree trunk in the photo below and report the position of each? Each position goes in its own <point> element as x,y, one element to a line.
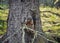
<point>19,10</point>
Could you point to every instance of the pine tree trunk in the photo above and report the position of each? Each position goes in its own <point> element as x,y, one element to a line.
<point>19,11</point>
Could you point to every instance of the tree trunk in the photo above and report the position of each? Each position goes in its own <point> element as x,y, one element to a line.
<point>20,11</point>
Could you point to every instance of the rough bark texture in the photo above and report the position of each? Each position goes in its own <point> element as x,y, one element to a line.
<point>19,11</point>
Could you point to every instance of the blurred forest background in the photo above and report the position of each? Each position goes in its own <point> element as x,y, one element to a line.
<point>50,17</point>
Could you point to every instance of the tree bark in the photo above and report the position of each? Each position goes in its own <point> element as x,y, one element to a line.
<point>19,11</point>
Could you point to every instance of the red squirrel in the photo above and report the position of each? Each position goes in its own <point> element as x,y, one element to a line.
<point>30,23</point>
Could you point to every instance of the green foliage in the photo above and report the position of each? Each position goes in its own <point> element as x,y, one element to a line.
<point>3,18</point>
<point>50,19</point>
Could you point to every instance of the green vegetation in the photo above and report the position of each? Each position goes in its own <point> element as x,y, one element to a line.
<point>50,17</point>
<point>3,18</point>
